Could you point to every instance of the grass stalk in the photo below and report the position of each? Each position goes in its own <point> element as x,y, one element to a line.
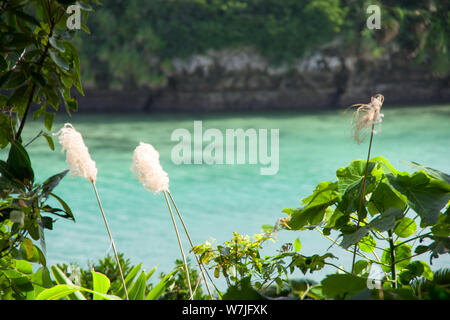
<point>361,200</point>
<point>392,249</point>
<point>200,264</point>
<point>181,247</point>
<point>112,240</point>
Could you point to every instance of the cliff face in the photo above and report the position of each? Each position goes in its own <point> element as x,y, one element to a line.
<point>241,79</point>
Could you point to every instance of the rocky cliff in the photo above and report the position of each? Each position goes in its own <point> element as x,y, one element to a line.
<point>241,79</point>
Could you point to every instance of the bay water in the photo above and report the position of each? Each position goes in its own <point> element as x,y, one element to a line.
<point>217,200</point>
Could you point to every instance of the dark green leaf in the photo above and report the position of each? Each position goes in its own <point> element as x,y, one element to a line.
<point>48,120</point>
<point>342,286</point>
<point>3,64</point>
<point>84,6</point>
<point>353,238</point>
<point>39,79</point>
<point>424,196</point>
<point>25,16</point>
<point>19,164</point>
<point>316,204</point>
<point>15,80</point>
<point>65,206</point>
<point>243,291</point>
<point>47,223</point>
<point>387,220</point>
<point>59,60</point>
<point>5,77</point>
<point>384,198</point>
<point>57,44</point>
<point>52,182</point>
<point>19,97</point>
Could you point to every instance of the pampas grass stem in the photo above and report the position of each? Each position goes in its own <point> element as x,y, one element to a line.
<point>111,239</point>
<point>179,243</point>
<point>200,264</point>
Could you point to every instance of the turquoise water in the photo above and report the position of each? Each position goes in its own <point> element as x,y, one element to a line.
<point>216,200</point>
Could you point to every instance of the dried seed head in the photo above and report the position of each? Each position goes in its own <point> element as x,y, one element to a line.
<point>77,154</point>
<point>148,170</point>
<point>367,116</point>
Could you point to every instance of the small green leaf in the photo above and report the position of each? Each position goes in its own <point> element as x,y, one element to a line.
<point>59,60</point>
<point>367,244</point>
<point>361,267</point>
<point>24,266</point>
<point>158,290</point>
<point>61,278</point>
<point>405,227</point>
<point>137,291</point>
<point>57,44</point>
<point>427,273</point>
<point>48,120</point>
<point>29,247</point>
<point>267,228</point>
<point>49,141</point>
<point>402,256</point>
<point>52,182</point>
<point>64,205</point>
<point>129,279</point>
<point>297,245</point>
<point>101,284</point>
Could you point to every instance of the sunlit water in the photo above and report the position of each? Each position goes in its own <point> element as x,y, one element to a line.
<point>216,200</point>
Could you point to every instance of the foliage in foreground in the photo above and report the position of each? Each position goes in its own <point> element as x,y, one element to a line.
<point>400,216</point>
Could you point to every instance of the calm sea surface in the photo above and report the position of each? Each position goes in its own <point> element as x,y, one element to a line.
<point>216,200</point>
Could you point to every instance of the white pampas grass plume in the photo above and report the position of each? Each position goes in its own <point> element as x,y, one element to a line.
<point>81,164</point>
<point>77,154</point>
<point>367,116</point>
<point>148,170</point>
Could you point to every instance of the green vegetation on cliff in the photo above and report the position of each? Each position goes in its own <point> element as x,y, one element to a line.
<point>132,42</point>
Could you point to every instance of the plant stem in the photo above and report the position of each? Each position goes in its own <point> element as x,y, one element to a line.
<point>357,253</point>
<point>200,264</point>
<point>33,88</point>
<point>392,249</point>
<point>361,200</point>
<point>181,247</point>
<point>111,239</point>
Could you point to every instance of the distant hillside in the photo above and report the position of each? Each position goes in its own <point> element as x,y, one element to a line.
<point>263,54</point>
